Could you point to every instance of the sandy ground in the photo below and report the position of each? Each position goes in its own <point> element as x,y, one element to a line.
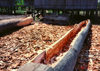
<point>23,45</point>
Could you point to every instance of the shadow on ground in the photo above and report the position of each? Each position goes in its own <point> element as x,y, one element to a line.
<point>9,31</point>
<point>78,18</point>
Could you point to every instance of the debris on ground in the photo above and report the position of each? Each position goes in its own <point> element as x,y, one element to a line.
<point>23,45</point>
<point>89,57</point>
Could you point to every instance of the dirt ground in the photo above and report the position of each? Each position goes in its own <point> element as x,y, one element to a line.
<point>89,57</point>
<point>23,45</point>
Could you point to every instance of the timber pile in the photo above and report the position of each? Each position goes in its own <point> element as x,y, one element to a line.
<point>89,58</point>
<point>21,46</point>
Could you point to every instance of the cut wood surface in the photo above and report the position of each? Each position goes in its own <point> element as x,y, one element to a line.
<point>69,60</point>
<point>40,57</point>
<point>25,21</point>
<point>58,46</point>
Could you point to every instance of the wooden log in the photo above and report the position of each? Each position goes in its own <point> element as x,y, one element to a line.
<point>11,23</point>
<point>69,60</point>
<point>58,46</point>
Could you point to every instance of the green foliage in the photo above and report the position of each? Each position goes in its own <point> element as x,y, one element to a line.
<point>19,2</point>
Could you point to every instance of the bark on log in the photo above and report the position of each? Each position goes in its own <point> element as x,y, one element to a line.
<point>11,23</point>
<point>69,60</point>
<point>57,47</point>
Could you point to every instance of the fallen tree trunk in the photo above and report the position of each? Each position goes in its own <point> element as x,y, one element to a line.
<point>58,46</point>
<point>69,60</point>
<point>12,23</point>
